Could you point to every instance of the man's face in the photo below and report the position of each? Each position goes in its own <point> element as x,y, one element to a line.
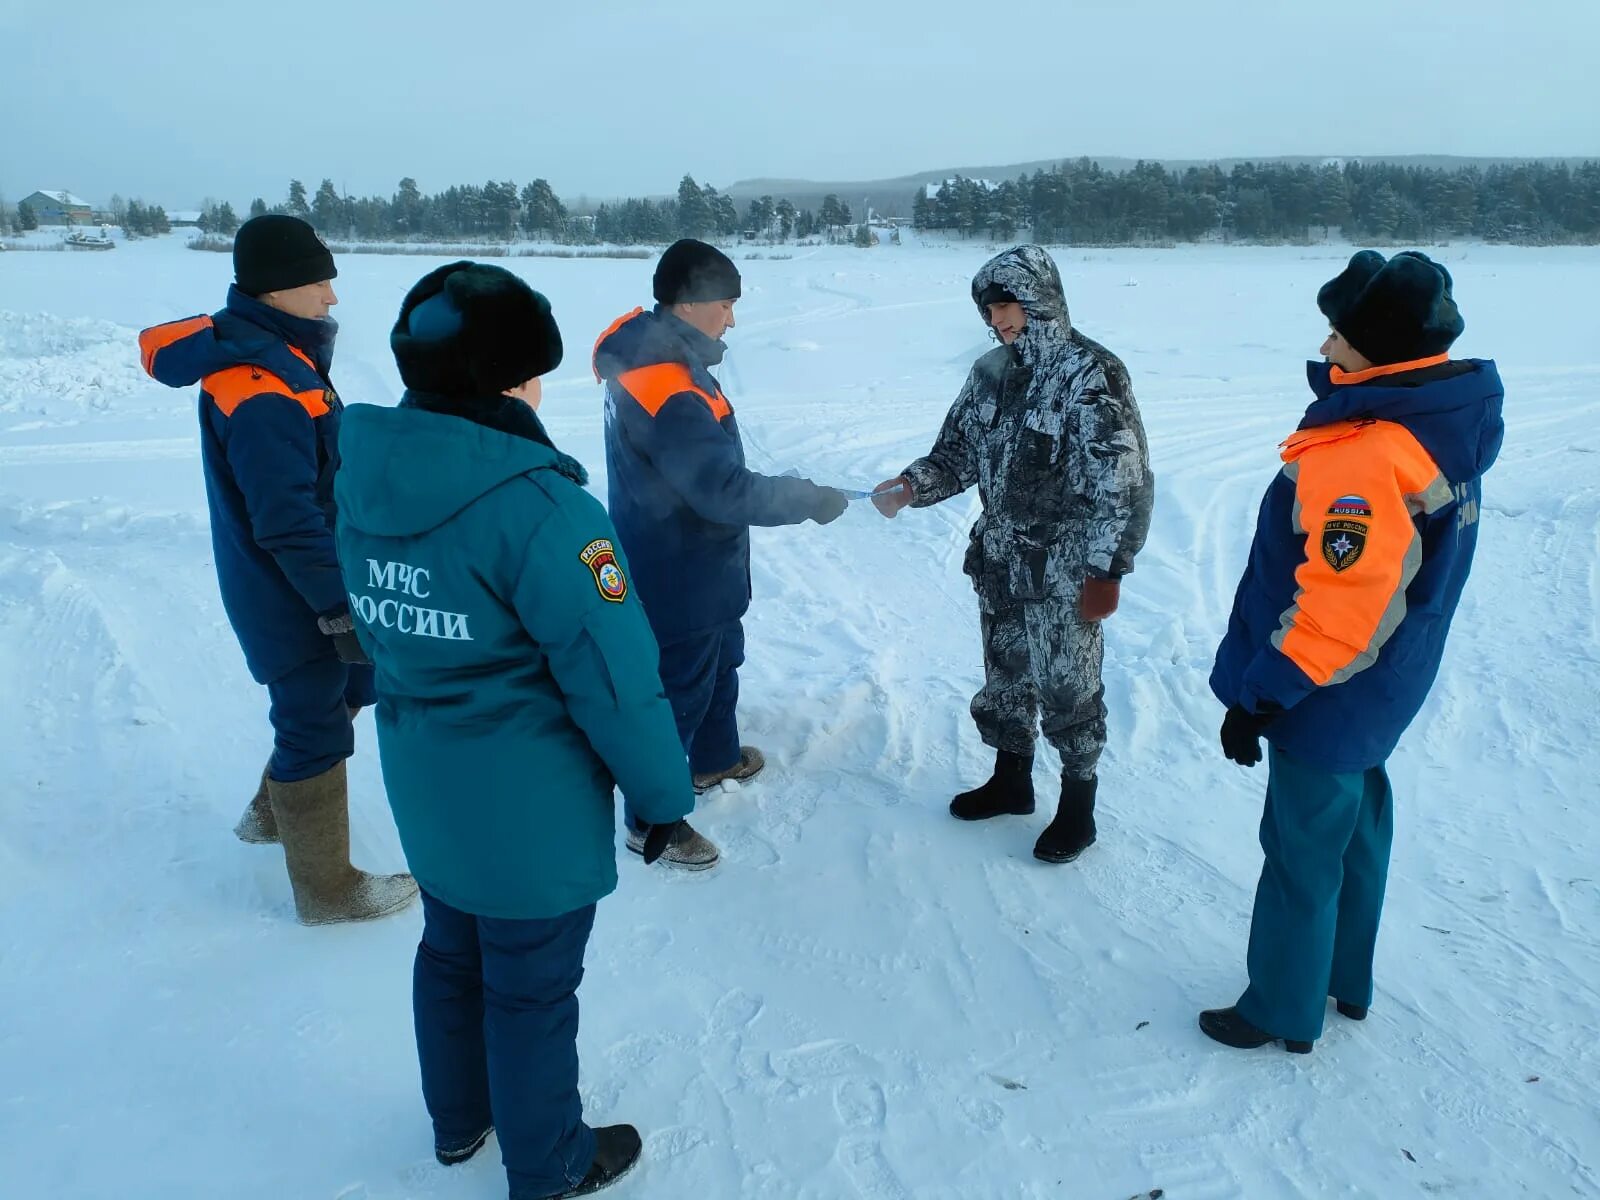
<point>711,317</point>
<point>1342,354</point>
<point>1008,320</point>
<point>311,301</point>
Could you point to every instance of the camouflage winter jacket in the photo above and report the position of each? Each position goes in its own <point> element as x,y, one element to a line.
<point>1049,431</point>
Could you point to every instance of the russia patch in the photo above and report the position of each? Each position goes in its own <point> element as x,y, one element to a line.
<point>1351,506</point>
<point>600,556</point>
<point>1343,543</point>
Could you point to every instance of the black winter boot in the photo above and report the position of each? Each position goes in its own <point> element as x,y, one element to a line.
<point>1225,1025</point>
<point>616,1152</point>
<point>1008,792</point>
<point>1072,832</point>
<point>450,1156</point>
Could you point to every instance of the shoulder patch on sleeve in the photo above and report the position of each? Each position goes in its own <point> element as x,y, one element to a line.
<point>1343,543</point>
<point>600,556</point>
<point>1351,506</point>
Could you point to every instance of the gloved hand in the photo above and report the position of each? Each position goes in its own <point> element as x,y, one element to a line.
<point>831,503</point>
<point>657,838</point>
<point>1241,735</point>
<point>342,629</point>
<point>1099,598</point>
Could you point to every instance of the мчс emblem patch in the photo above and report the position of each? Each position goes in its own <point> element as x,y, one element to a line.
<point>600,556</point>
<point>1343,543</point>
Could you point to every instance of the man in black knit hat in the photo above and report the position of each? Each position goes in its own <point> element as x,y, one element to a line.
<point>683,502</point>
<point>269,440</point>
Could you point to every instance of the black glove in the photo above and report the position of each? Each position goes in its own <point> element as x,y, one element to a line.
<point>657,838</point>
<point>342,629</point>
<point>1241,735</point>
<point>831,503</point>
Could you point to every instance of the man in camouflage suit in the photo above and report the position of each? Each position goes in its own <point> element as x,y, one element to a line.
<point>1047,427</point>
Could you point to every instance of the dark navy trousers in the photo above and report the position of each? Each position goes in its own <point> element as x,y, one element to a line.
<point>310,714</point>
<point>700,677</point>
<point>496,1009</point>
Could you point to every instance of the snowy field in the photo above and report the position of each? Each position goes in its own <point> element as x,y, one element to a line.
<point>867,999</point>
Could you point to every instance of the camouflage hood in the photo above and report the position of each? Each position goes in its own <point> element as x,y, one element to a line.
<point>1030,274</point>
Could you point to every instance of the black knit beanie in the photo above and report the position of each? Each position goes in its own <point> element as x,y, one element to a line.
<point>1395,310</point>
<point>469,329</point>
<point>993,293</point>
<point>275,252</point>
<point>691,272</point>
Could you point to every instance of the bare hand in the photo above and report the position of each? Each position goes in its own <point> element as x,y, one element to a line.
<point>1099,598</point>
<point>890,496</point>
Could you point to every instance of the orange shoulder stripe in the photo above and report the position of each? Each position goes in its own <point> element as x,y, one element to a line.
<point>1354,490</point>
<point>232,387</point>
<point>594,357</point>
<point>152,341</point>
<point>653,386</point>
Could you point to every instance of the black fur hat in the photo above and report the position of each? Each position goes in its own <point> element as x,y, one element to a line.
<point>691,272</point>
<point>1393,310</point>
<point>472,329</point>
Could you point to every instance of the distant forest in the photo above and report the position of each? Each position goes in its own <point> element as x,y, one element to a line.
<point>1076,203</point>
<point>503,212</point>
<point>1080,203</point>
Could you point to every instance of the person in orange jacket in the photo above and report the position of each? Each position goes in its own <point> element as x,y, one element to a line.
<point>1364,543</point>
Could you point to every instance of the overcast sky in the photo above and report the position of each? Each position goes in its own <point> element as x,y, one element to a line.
<point>175,102</point>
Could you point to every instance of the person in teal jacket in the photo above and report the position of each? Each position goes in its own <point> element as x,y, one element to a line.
<point>518,685</point>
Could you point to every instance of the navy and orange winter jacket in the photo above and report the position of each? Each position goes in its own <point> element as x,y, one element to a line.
<point>1363,545</point>
<point>678,489</point>
<point>269,442</point>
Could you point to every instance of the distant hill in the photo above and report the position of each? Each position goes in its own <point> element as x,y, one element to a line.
<point>892,197</point>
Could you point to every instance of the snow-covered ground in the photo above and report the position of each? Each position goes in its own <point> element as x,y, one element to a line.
<point>867,999</point>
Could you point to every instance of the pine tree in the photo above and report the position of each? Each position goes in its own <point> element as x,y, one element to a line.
<point>1331,207</point>
<point>921,210</point>
<point>786,218</point>
<point>158,220</point>
<point>543,213</point>
<point>724,213</point>
<point>407,209</point>
<point>1007,213</point>
<point>833,214</point>
<point>501,208</point>
<point>27,219</point>
<point>1387,211</point>
<point>297,205</point>
<point>227,223</point>
<point>694,214</point>
<point>761,214</point>
<point>864,237</point>
<point>258,207</point>
<point>327,211</point>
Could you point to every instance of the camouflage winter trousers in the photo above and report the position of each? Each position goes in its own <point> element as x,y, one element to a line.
<point>1040,656</point>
